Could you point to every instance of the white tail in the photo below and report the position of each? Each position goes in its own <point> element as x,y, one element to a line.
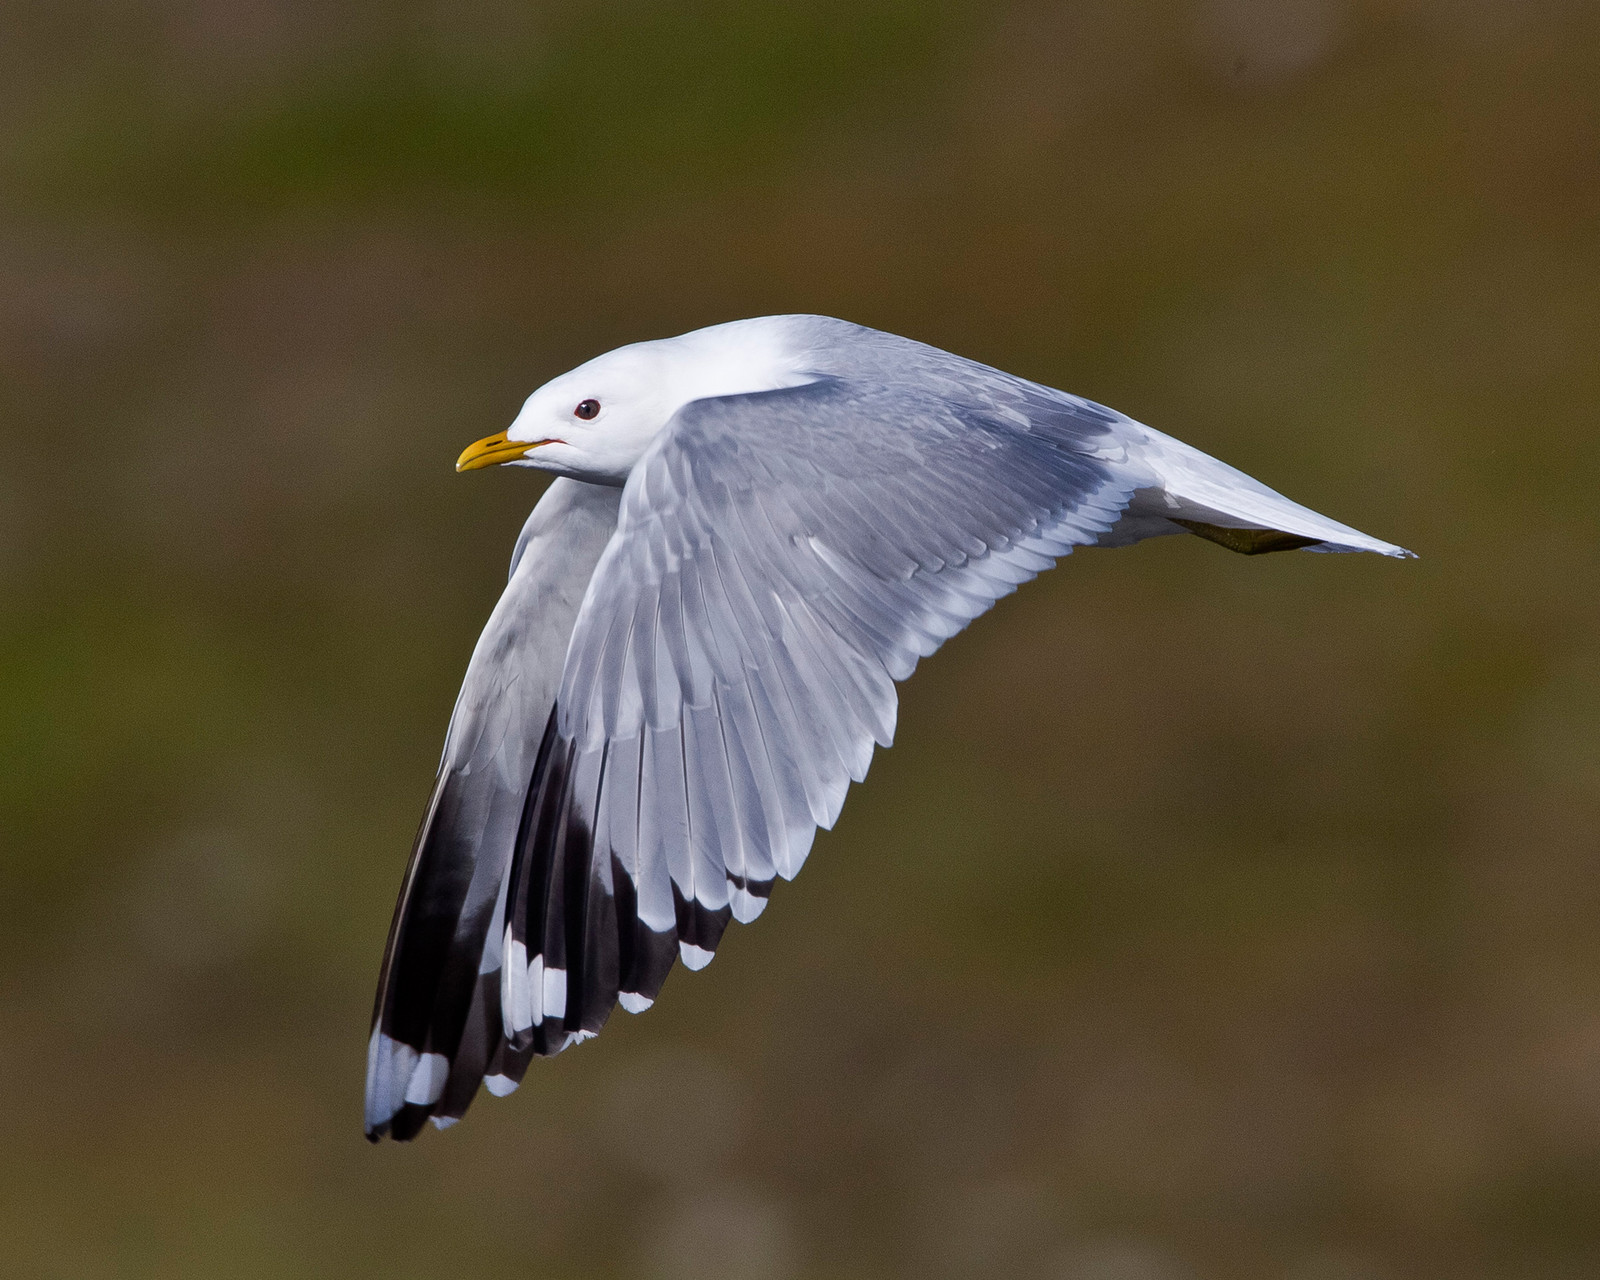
<point>1192,492</point>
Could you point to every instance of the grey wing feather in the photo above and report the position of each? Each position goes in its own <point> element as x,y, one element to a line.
<point>781,559</point>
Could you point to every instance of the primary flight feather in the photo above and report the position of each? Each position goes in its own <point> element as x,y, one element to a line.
<point>759,528</point>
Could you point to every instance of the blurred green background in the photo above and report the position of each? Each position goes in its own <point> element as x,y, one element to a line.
<point>1215,918</point>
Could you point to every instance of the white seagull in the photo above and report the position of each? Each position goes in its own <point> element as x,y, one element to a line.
<point>759,528</point>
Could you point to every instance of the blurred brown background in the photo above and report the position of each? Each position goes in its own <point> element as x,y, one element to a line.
<point>1215,917</point>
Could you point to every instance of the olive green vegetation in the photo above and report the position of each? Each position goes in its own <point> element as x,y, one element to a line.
<point>1216,916</point>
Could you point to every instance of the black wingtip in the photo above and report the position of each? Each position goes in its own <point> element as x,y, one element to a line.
<point>407,1122</point>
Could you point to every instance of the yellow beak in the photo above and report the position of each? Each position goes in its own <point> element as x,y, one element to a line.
<point>492,450</point>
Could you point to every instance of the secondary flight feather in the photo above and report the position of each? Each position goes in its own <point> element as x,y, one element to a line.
<point>757,530</point>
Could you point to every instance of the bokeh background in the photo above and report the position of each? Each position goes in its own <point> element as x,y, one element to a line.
<point>1215,918</point>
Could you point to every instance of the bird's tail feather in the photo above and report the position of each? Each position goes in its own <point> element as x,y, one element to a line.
<point>1194,492</point>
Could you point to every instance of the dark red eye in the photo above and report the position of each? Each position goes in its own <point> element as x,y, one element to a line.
<point>587,409</point>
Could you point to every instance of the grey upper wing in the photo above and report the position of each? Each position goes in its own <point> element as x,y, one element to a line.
<point>781,559</point>
<point>436,1024</point>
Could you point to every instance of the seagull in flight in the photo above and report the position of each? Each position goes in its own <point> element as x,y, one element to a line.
<point>757,529</point>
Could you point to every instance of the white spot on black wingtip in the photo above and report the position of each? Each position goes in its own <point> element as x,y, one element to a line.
<point>444,1122</point>
<point>500,1086</point>
<point>633,1002</point>
<point>694,957</point>
<point>516,997</point>
<point>555,991</point>
<point>427,1079</point>
<point>390,1066</point>
<point>746,905</point>
<point>529,992</point>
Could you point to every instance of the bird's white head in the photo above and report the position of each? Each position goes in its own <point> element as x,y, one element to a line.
<point>596,422</point>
